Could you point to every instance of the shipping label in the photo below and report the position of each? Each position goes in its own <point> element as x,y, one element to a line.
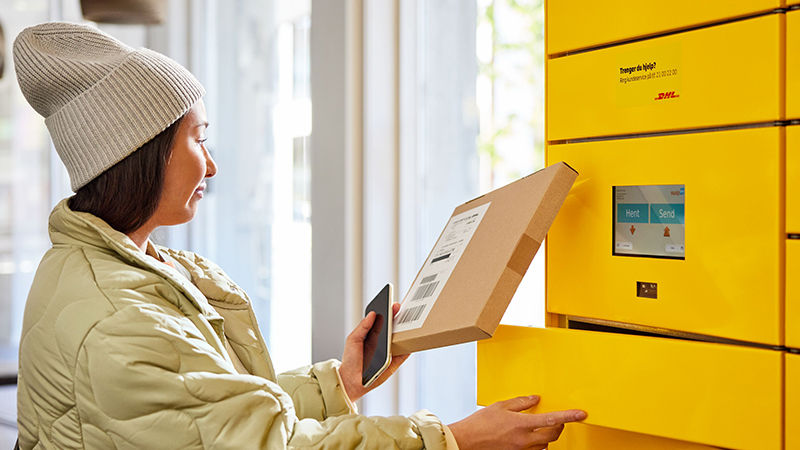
<point>437,269</point>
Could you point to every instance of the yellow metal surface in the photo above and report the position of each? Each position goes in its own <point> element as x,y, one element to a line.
<point>733,235</point>
<point>793,178</point>
<point>793,64</point>
<point>721,75</point>
<point>792,423</point>
<point>792,324</point>
<point>579,24</point>
<point>713,394</point>
<point>590,437</point>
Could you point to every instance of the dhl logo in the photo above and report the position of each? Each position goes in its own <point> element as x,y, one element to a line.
<point>666,95</point>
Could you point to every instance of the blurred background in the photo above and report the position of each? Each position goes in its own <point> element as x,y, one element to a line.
<point>346,131</point>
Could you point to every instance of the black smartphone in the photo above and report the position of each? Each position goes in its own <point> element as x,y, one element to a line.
<point>377,344</point>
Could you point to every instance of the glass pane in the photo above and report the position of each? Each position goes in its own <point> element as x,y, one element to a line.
<point>24,187</point>
<point>510,93</point>
<point>447,172</point>
<point>479,97</point>
<point>259,219</point>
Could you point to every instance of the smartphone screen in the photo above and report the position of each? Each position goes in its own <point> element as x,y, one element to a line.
<point>376,344</point>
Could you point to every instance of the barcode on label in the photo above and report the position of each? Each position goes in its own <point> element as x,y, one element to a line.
<point>428,279</point>
<point>425,290</point>
<point>411,314</point>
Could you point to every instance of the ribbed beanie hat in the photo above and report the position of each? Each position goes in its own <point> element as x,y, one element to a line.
<point>101,99</point>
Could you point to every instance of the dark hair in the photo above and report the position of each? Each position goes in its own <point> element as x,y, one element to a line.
<point>126,195</point>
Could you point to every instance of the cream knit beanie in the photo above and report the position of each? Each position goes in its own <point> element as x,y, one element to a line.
<point>101,99</point>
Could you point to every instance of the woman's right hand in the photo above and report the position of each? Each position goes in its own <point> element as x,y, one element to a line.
<point>504,425</point>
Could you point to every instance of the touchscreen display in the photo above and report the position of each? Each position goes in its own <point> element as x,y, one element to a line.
<point>376,344</point>
<point>650,221</point>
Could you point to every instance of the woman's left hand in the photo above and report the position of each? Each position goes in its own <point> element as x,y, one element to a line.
<point>353,357</point>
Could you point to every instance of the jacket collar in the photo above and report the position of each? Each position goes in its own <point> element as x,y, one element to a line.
<point>209,278</point>
<point>82,229</point>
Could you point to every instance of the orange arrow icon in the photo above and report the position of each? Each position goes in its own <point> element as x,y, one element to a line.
<point>633,229</point>
<point>666,231</point>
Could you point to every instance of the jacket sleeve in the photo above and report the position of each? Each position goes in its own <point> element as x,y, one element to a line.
<point>317,391</point>
<point>146,378</point>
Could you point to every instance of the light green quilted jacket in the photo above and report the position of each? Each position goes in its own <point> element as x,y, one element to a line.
<point>119,350</point>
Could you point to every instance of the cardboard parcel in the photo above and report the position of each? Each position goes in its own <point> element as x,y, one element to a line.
<point>463,289</point>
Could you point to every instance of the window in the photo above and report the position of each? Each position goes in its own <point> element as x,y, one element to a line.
<point>439,130</point>
<point>510,97</point>
<point>253,58</point>
<point>31,181</point>
<point>26,188</point>
<point>257,225</point>
<point>472,113</point>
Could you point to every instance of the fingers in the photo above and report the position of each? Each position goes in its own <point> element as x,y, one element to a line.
<point>518,404</point>
<point>543,436</point>
<point>362,328</point>
<point>395,309</point>
<point>555,418</point>
<point>393,366</point>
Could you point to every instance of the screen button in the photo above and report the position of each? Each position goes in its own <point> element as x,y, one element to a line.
<point>666,213</point>
<point>632,213</point>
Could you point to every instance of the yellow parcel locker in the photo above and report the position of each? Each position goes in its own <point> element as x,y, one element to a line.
<point>721,75</point>
<point>714,394</point>
<point>792,401</point>
<point>793,178</point>
<point>577,24</point>
<point>580,436</point>
<point>713,268</point>
<point>792,323</point>
<point>793,64</point>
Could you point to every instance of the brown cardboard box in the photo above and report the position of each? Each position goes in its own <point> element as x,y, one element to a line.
<point>484,270</point>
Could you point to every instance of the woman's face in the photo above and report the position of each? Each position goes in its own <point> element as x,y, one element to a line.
<point>187,169</point>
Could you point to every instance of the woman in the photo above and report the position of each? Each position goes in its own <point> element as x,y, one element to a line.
<point>126,344</point>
